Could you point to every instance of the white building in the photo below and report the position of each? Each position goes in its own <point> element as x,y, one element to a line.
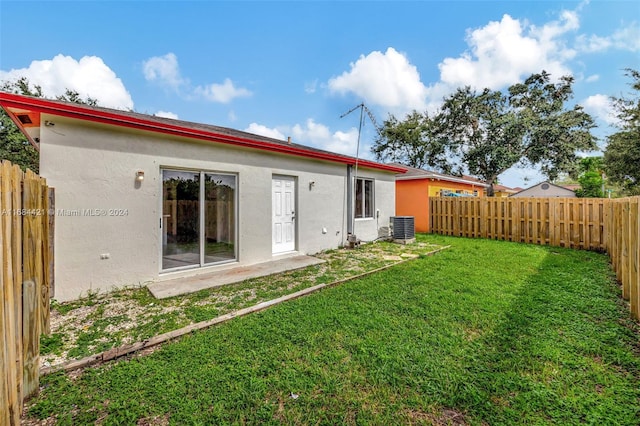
<point>141,198</point>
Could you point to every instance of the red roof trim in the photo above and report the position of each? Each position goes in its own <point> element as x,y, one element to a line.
<point>113,118</point>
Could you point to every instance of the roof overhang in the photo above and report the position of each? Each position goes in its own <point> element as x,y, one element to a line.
<point>28,121</point>
<point>435,177</point>
<point>18,105</point>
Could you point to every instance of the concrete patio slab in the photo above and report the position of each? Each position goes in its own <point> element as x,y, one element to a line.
<point>185,285</point>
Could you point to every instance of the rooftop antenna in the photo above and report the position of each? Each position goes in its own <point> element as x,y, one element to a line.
<point>363,108</point>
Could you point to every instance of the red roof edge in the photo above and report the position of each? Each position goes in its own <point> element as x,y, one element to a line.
<point>112,117</point>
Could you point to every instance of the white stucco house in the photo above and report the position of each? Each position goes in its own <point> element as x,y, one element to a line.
<point>142,199</point>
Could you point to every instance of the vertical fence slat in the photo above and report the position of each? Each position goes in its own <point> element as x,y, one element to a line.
<point>16,253</point>
<point>9,295</point>
<point>6,391</point>
<point>624,254</point>
<point>30,336</point>
<point>634,242</point>
<point>32,287</point>
<point>51,208</point>
<point>43,226</point>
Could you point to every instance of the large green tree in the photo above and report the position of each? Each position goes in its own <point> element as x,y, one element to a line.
<point>486,133</point>
<point>622,155</point>
<point>412,142</point>
<point>14,146</point>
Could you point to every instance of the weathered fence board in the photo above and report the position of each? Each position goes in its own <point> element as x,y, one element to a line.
<point>26,255</point>
<point>580,223</point>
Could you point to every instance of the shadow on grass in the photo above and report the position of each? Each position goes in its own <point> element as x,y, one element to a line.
<point>564,352</point>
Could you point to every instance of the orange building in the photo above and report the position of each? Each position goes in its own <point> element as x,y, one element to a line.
<point>414,188</point>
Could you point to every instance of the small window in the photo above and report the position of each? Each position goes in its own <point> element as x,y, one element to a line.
<point>25,119</point>
<point>545,186</point>
<point>364,198</point>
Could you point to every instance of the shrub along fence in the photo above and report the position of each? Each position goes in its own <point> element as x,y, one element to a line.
<point>26,282</point>
<point>601,224</point>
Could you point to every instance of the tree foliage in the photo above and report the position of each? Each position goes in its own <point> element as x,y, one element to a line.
<point>14,146</point>
<point>488,132</point>
<point>590,178</point>
<point>622,155</point>
<point>411,142</point>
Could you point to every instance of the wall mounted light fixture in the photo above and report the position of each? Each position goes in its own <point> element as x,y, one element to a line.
<point>312,183</point>
<point>140,175</point>
<point>49,123</point>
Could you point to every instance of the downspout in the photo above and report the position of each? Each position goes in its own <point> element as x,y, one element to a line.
<point>349,201</point>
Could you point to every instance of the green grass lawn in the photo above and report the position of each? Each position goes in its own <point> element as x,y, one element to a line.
<point>486,332</point>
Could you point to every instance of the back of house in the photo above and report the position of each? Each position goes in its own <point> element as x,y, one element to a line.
<point>141,198</point>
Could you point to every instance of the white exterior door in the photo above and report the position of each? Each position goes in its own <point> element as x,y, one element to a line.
<point>283,212</point>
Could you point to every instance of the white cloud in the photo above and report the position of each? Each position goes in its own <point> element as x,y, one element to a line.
<point>625,38</point>
<point>320,136</point>
<point>600,106</point>
<point>592,78</point>
<point>311,86</point>
<point>501,53</point>
<point>166,71</point>
<point>163,69</point>
<point>166,114</point>
<point>222,93</point>
<point>259,129</point>
<point>89,76</point>
<point>386,79</point>
<point>315,135</point>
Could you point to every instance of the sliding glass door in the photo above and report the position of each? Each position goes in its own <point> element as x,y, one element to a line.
<point>198,218</point>
<point>219,217</point>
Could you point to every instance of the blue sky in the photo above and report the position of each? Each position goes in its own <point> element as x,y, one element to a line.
<point>293,68</point>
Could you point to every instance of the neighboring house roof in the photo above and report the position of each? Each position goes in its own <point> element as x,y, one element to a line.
<point>25,111</point>
<point>544,189</point>
<point>414,173</point>
<point>502,188</point>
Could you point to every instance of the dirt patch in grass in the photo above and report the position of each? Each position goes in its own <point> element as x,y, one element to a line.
<point>100,322</point>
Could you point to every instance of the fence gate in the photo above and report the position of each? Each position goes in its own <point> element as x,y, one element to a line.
<point>26,239</point>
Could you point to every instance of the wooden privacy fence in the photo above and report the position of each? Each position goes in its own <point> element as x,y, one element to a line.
<point>623,246</point>
<point>601,224</point>
<point>26,222</point>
